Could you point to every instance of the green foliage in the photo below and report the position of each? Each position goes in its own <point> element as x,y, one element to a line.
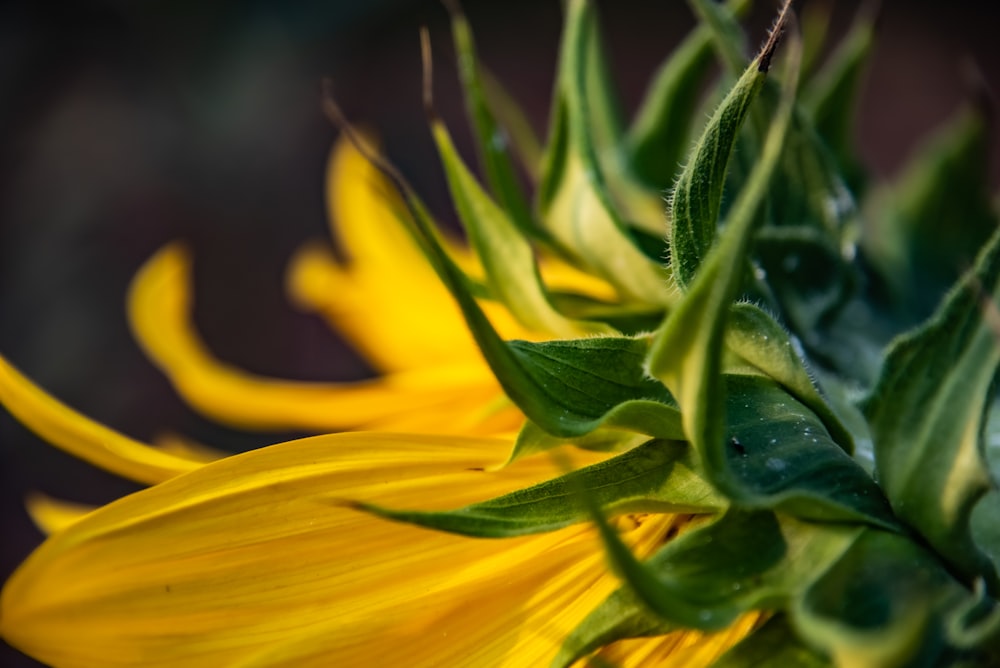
<point>927,415</point>
<point>845,510</point>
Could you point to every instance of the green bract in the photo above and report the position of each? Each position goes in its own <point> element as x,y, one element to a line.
<point>760,365</point>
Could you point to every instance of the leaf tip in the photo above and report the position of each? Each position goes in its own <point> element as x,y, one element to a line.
<point>774,37</point>
<point>427,64</point>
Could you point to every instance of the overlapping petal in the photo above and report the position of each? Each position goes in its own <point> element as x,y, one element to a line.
<point>255,551</point>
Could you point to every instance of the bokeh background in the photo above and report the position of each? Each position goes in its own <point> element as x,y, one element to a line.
<point>125,125</point>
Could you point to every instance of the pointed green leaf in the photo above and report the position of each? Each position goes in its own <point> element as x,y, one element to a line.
<point>591,376</point>
<point>811,188</point>
<point>781,456</point>
<point>708,576</point>
<point>927,416</point>
<point>697,196</point>
<point>491,140</point>
<point>757,338</point>
<point>655,477</point>
<point>507,256</point>
<point>589,383</point>
<point>630,319</point>
<point>687,349</point>
<point>575,201</point>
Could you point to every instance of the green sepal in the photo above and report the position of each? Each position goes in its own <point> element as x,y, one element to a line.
<point>811,189</point>
<point>927,414</point>
<point>708,576</point>
<point>879,604</point>
<point>758,339</point>
<point>596,382</point>
<point>781,456</point>
<point>655,477</point>
<point>538,377</point>
<point>773,645</point>
<point>630,319</point>
<point>574,198</point>
<point>697,195</point>
<point>686,351</point>
<point>507,256</point>
<point>491,140</point>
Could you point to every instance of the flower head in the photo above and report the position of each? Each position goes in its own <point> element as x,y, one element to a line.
<point>595,434</point>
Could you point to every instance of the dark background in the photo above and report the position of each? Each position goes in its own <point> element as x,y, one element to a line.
<point>124,125</point>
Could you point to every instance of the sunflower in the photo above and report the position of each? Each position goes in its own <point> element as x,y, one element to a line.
<point>595,437</point>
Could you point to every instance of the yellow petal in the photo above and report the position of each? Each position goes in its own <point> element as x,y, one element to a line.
<point>51,515</point>
<point>401,315</point>
<point>226,562</point>
<point>512,608</point>
<point>80,436</point>
<point>160,314</point>
<point>250,561</point>
<point>559,275</point>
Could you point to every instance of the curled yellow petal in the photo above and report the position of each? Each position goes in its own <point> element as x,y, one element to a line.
<point>80,436</point>
<point>51,515</point>
<point>160,314</point>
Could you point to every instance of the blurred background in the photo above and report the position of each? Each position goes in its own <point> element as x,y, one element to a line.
<point>127,124</point>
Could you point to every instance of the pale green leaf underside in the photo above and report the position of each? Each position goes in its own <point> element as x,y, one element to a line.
<point>507,256</point>
<point>927,416</point>
<point>576,206</point>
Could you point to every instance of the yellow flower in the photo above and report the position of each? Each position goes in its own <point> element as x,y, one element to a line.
<point>593,439</point>
<point>257,559</point>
